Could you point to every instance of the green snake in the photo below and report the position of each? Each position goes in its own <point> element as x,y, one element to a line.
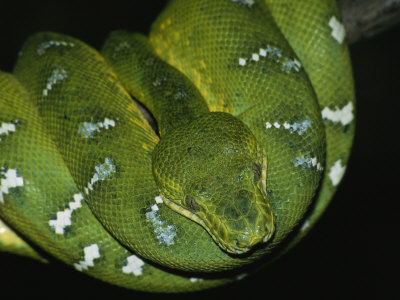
<point>254,107</point>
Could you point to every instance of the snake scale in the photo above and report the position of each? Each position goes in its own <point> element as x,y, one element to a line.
<point>254,103</point>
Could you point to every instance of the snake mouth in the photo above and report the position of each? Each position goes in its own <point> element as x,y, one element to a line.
<point>237,251</point>
<point>238,246</point>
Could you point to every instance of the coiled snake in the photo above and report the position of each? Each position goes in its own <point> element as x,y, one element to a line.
<point>244,161</point>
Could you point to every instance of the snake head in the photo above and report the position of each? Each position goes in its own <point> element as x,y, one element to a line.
<point>219,180</point>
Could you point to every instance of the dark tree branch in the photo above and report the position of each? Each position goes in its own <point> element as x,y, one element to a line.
<point>366,18</point>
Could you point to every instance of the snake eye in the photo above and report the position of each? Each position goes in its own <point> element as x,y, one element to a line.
<point>256,171</point>
<point>192,204</point>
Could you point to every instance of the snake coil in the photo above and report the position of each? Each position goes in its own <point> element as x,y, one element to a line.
<point>85,178</point>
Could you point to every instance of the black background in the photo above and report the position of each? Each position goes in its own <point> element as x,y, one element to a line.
<point>351,251</point>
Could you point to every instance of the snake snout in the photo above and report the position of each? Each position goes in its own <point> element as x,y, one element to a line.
<point>244,242</point>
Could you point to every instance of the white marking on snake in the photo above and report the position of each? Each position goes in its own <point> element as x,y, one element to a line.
<point>290,64</point>
<point>338,32</point>
<point>263,52</point>
<point>344,115</point>
<point>337,171</point>
<point>159,199</point>
<point>90,254</point>
<point>134,265</point>
<point>165,233</point>
<point>86,129</point>
<point>41,49</point>
<point>8,181</point>
<point>58,75</point>
<point>307,162</point>
<point>299,126</point>
<point>255,57</point>
<point>249,3</point>
<point>5,128</point>
<point>195,279</point>
<point>286,64</point>
<point>64,217</point>
<point>103,172</point>
<point>272,51</point>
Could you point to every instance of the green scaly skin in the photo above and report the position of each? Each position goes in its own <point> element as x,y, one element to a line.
<point>216,161</point>
<point>227,88</point>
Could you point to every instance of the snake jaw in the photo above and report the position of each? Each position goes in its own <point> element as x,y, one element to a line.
<point>270,225</point>
<point>238,243</point>
<point>236,247</point>
<point>194,217</point>
<point>270,229</point>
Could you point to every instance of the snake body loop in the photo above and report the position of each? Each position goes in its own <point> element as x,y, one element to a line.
<point>254,104</point>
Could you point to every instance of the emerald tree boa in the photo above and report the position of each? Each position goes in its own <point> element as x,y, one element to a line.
<point>78,177</point>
